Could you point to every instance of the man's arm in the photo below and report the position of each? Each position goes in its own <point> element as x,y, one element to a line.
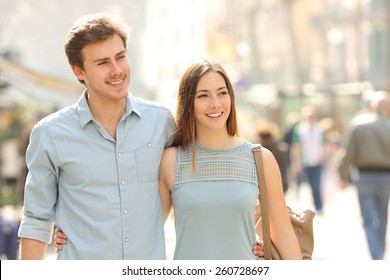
<point>31,249</point>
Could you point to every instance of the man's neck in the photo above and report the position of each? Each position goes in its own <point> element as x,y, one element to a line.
<point>107,114</point>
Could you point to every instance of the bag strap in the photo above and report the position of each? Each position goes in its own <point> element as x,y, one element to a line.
<point>256,148</point>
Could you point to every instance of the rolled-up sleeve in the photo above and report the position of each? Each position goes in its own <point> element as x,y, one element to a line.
<point>40,195</point>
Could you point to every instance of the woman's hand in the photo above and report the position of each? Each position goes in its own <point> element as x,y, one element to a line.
<point>60,239</point>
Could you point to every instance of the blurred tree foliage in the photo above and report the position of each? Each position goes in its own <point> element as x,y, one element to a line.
<point>11,122</point>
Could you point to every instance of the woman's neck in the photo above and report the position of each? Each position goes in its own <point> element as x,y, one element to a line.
<point>218,140</point>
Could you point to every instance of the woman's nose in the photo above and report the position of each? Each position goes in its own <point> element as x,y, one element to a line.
<point>214,102</point>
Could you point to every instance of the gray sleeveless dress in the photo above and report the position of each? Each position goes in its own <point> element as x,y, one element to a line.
<point>214,206</point>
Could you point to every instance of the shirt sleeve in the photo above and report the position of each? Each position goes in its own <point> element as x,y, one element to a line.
<point>40,195</point>
<point>171,130</point>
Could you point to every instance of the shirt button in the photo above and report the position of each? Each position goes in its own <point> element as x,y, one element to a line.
<point>119,154</point>
<point>125,211</point>
<point>126,239</point>
<point>123,182</point>
<point>149,145</point>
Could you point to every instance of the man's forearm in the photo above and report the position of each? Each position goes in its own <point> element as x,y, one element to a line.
<point>31,249</point>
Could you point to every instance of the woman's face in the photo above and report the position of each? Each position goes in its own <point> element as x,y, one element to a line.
<point>212,103</point>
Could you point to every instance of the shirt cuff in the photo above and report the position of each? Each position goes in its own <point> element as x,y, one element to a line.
<point>36,229</point>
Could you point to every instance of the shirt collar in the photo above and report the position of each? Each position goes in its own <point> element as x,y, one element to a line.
<point>86,115</point>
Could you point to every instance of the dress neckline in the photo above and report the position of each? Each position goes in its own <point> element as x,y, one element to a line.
<point>221,149</point>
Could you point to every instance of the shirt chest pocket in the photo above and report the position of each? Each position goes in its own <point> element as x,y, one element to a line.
<point>147,163</point>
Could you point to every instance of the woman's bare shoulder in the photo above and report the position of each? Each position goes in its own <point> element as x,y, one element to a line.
<point>169,157</point>
<point>267,154</point>
<point>269,158</point>
<point>167,172</point>
<point>170,152</point>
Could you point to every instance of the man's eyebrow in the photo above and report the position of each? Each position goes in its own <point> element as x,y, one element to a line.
<point>106,58</point>
<point>121,52</point>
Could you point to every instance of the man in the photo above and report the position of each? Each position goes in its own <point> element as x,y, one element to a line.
<point>308,153</point>
<point>368,151</point>
<point>93,166</point>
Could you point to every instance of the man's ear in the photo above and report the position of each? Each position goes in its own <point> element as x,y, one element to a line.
<point>78,72</point>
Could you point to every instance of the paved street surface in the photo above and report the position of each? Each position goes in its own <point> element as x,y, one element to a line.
<point>338,232</point>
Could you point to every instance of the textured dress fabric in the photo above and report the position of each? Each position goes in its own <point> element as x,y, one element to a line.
<point>214,203</point>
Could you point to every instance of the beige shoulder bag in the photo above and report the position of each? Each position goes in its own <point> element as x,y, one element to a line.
<point>302,222</point>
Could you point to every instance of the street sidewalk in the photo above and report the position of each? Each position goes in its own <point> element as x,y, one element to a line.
<point>338,232</point>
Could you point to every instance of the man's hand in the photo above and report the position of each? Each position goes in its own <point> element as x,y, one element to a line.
<point>60,239</point>
<point>258,250</point>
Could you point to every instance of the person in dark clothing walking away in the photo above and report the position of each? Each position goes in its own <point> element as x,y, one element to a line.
<point>267,134</point>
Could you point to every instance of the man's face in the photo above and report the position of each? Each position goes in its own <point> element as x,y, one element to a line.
<point>106,72</point>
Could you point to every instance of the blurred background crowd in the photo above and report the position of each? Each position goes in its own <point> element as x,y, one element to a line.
<point>282,55</point>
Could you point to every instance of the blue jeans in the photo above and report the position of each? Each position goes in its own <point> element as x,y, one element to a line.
<point>313,175</point>
<point>374,192</point>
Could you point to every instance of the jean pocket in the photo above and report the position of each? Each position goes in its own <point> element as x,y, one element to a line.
<point>147,163</point>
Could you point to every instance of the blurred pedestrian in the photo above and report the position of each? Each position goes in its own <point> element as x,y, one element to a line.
<point>367,113</point>
<point>368,151</point>
<point>292,121</point>
<point>267,133</point>
<point>8,237</point>
<point>308,152</point>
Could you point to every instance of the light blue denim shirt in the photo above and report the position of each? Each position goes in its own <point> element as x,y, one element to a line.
<point>102,192</point>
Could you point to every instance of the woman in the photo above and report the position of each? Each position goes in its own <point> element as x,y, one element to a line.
<point>209,176</point>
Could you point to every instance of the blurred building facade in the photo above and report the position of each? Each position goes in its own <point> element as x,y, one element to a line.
<point>280,53</point>
<point>300,46</point>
